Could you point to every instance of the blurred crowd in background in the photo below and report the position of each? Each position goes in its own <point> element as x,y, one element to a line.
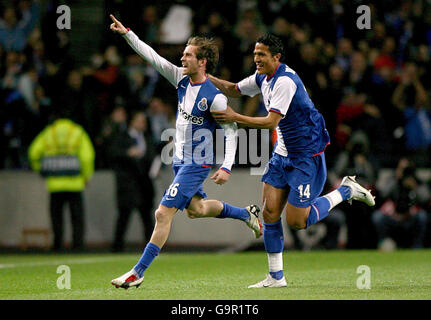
<point>371,85</point>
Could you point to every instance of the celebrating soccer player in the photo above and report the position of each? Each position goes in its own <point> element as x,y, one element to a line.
<point>296,173</point>
<point>198,98</point>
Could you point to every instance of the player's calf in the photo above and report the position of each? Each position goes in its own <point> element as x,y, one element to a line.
<point>296,217</point>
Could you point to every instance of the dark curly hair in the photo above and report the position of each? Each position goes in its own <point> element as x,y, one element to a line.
<point>207,49</point>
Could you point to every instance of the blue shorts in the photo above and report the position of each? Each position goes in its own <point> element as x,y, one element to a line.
<point>304,178</point>
<point>188,182</point>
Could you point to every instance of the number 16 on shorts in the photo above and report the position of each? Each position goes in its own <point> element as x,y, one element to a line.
<point>173,190</point>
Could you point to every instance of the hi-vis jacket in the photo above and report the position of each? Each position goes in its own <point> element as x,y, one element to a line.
<point>65,145</point>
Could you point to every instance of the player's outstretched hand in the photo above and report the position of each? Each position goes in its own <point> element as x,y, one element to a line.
<point>220,177</point>
<point>117,26</point>
<point>225,116</point>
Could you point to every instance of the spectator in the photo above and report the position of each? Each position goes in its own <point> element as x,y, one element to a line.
<point>386,56</point>
<point>73,96</point>
<point>131,154</point>
<point>344,53</point>
<point>142,80</point>
<point>158,115</point>
<point>112,127</point>
<point>401,218</point>
<point>14,32</point>
<point>412,99</point>
<point>151,28</point>
<point>13,67</point>
<point>355,161</point>
<point>63,154</point>
<point>359,74</point>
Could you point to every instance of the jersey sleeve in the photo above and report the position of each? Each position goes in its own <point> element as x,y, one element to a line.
<point>231,134</point>
<point>248,86</point>
<point>219,103</point>
<point>170,71</point>
<point>282,95</point>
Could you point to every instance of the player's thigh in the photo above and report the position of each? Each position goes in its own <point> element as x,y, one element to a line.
<point>188,182</point>
<point>274,200</point>
<point>306,179</point>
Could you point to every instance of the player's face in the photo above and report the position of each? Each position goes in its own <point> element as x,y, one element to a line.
<point>189,61</point>
<point>265,62</point>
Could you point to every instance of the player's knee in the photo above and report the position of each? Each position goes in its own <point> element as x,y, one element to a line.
<point>270,215</point>
<point>161,216</point>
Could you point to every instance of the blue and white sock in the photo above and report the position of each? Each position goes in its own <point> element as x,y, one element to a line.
<point>274,244</point>
<point>150,252</point>
<point>233,212</point>
<point>321,207</point>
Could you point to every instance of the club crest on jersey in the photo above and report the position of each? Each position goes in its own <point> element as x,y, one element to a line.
<point>203,104</point>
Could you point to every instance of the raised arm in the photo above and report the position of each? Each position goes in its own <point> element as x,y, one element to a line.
<point>170,71</point>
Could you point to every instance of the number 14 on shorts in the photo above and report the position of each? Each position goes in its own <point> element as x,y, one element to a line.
<point>304,192</point>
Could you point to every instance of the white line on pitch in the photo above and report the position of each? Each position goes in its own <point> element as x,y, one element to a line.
<point>57,262</point>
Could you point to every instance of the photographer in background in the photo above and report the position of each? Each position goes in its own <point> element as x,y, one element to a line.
<point>401,218</point>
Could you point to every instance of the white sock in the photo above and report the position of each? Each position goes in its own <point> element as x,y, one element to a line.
<point>275,261</point>
<point>334,198</point>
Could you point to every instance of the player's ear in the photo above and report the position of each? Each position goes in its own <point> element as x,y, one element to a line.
<point>202,62</point>
<point>277,56</point>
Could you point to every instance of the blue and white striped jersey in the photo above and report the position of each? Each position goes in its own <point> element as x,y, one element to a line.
<point>302,130</point>
<point>194,123</point>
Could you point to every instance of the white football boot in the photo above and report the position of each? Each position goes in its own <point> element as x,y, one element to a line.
<point>270,282</point>
<point>254,223</point>
<point>127,280</point>
<point>358,192</point>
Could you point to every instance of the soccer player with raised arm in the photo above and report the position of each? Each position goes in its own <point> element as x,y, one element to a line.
<point>296,173</point>
<point>198,98</point>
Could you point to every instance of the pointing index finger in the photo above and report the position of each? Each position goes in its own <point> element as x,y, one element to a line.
<point>113,18</point>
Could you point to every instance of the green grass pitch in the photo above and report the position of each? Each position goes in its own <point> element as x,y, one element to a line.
<point>317,275</point>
